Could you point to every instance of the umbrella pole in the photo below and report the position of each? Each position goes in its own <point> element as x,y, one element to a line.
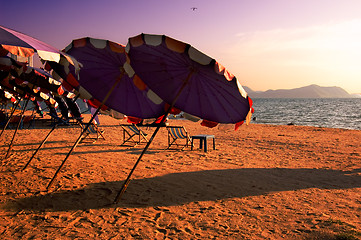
<point>84,130</point>
<point>43,142</point>
<point>40,146</point>
<point>126,183</point>
<point>11,114</point>
<point>19,123</point>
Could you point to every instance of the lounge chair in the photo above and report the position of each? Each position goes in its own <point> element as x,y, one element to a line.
<point>28,119</point>
<point>132,134</point>
<point>92,130</point>
<point>14,120</point>
<point>178,133</point>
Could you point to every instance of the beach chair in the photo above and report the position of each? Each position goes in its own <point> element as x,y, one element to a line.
<point>178,133</point>
<point>13,122</point>
<point>28,119</point>
<point>92,130</point>
<point>25,120</point>
<point>132,134</point>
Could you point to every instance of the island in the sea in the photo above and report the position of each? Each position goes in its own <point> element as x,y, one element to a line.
<point>311,91</point>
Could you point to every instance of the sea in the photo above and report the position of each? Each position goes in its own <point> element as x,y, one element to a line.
<point>318,112</point>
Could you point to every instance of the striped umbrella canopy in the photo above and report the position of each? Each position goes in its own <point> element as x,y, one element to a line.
<point>103,63</point>
<point>6,96</point>
<point>39,79</point>
<point>23,45</point>
<point>24,88</point>
<point>68,75</point>
<point>204,88</point>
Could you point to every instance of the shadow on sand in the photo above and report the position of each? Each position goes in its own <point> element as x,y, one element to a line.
<point>185,187</point>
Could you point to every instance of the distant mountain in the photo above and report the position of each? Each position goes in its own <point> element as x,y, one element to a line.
<point>312,91</point>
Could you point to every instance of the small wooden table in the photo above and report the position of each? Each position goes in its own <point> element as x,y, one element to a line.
<point>203,138</point>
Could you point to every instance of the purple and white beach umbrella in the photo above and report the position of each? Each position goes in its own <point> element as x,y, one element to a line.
<point>23,45</point>
<point>188,80</point>
<point>102,64</point>
<point>206,89</point>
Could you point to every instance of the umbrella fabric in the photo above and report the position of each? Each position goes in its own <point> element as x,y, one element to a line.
<point>26,88</point>
<point>210,92</point>
<point>67,74</point>
<point>102,64</point>
<point>4,83</point>
<point>23,45</point>
<point>5,96</point>
<point>23,88</point>
<point>39,78</point>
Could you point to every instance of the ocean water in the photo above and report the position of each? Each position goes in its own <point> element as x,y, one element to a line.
<point>320,112</point>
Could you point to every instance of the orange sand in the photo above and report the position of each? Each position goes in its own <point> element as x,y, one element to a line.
<point>262,182</point>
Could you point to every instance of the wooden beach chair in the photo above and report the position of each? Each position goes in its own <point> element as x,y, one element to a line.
<point>14,120</point>
<point>132,134</point>
<point>178,133</point>
<point>93,132</point>
<point>28,119</point>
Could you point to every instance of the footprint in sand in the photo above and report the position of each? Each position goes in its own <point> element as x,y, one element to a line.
<point>188,230</point>
<point>162,230</point>
<point>157,216</point>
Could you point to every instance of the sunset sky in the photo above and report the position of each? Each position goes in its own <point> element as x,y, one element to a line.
<point>267,44</point>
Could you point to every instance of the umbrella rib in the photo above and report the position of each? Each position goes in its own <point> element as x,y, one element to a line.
<point>214,93</point>
<point>227,100</point>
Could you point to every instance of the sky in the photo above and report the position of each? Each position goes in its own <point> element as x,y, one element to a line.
<point>266,44</point>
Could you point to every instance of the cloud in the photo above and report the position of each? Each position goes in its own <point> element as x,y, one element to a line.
<point>321,45</point>
<point>321,54</point>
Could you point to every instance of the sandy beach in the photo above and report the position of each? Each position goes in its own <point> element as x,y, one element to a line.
<point>261,182</point>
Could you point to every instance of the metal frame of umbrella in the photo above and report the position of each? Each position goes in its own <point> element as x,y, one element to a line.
<point>17,128</point>
<point>84,130</point>
<point>61,72</point>
<point>103,68</point>
<point>68,81</point>
<point>27,97</point>
<point>127,180</point>
<point>24,45</point>
<point>29,92</point>
<point>15,106</point>
<point>56,124</point>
